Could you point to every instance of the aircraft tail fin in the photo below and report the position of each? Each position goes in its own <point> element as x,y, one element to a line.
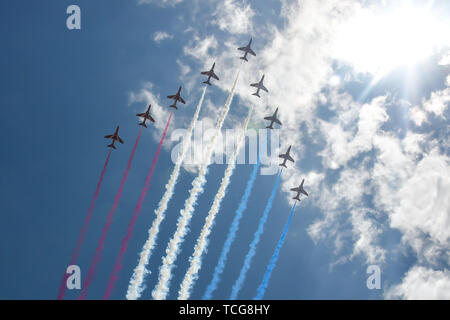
<point>173,106</point>
<point>269,126</point>
<point>111,146</point>
<point>143,124</point>
<point>244,58</point>
<point>207,82</point>
<point>256,94</point>
<point>283,165</point>
<point>296,198</point>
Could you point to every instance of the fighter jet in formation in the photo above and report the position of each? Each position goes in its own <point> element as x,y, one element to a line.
<point>176,97</point>
<point>299,190</point>
<point>146,115</point>
<point>114,137</point>
<point>247,50</point>
<point>210,74</point>
<point>286,157</point>
<point>260,86</point>
<point>273,119</point>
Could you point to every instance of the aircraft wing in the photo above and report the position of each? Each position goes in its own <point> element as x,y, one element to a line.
<point>109,136</point>
<point>140,115</point>
<point>214,76</point>
<point>277,121</point>
<point>206,73</point>
<point>304,192</point>
<point>172,96</point>
<point>151,118</point>
<point>256,85</point>
<point>243,48</point>
<point>182,100</point>
<point>263,88</point>
<point>295,189</point>
<point>290,158</point>
<point>270,118</point>
<point>120,140</point>
<point>251,52</point>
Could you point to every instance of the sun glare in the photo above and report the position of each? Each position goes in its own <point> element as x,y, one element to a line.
<point>377,42</point>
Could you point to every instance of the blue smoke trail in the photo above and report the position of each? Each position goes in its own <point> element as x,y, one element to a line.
<point>273,261</point>
<point>252,251</point>
<point>231,234</point>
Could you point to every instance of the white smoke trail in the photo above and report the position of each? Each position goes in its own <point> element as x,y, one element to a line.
<point>136,285</point>
<point>165,273</point>
<point>202,241</point>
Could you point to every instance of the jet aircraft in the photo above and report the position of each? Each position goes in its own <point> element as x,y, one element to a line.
<point>286,157</point>
<point>247,50</point>
<point>273,119</point>
<point>260,86</point>
<point>299,190</point>
<point>114,137</point>
<point>176,97</point>
<point>146,115</point>
<point>210,74</point>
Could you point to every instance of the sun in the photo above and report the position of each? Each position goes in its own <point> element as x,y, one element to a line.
<point>377,41</point>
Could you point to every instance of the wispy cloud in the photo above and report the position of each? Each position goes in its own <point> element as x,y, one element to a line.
<point>234,16</point>
<point>422,283</point>
<point>162,3</point>
<point>159,36</point>
<point>438,101</point>
<point>200,48</point>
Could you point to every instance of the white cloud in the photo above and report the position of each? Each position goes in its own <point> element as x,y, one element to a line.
<point>342,144</point>
<point>445,59</point>
<point>162,3</point>
<point>366,232</point>
<point>200,48</point>
<point>158,36</point>
<point>418,116</point>
<point>437,104</point>
<point>413,143</point>
<point>414,194</point>
<point>422,283</point>
<point>185,69</point>
<point>234,16</point>
<point>438,101</point>
<point>422,212</point>
<point>344,200</point>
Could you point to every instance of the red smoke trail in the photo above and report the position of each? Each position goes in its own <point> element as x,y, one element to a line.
<point>101,243</point>
<point>118,265</point>
<point>76,252</point>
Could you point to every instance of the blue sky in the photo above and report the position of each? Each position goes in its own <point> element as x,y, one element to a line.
<point>376,168</point>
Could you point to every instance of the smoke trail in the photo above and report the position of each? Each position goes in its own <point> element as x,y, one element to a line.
<point>231,234</point>
<point>252,251</point>
<point>165,272</point>
<point>202,241</point>
<point>76,252</point>
<point>101,243</point>
<point>262,288</point>
<point>136,286</point>
<point>123,249</point>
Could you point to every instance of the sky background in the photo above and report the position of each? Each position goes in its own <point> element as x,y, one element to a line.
<point>363,89</point>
